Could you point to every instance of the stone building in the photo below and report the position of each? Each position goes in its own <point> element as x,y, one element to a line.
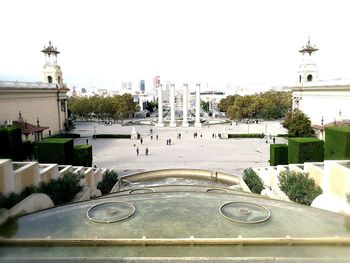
<point>41,104</point>
<point>324,102</point>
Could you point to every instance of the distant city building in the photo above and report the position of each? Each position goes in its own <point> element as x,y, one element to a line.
<point>142,85</point>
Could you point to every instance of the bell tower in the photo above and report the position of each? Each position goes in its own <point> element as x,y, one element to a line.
<point>307,71</point>
<point>52,72</point>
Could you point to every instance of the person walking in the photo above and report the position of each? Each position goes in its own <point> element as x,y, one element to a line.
<point>146,151</point>
<point>137,151</point>
<point>141,140</point>
<point>157,136</point>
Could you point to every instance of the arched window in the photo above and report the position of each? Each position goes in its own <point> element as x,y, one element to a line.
<point>299,78</point>
<point>49,79</point>
<point>309,78</point>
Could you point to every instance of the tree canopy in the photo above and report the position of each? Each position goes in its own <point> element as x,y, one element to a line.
<point>298,124</point>
<point>266,105</point>
<point>116,107</point>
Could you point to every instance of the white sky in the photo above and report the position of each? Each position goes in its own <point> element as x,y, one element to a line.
<point>218,42</point>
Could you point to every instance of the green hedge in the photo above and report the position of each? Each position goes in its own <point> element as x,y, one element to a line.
<point>283,135</point>
<point>337,143</point>
<point>10,143</point>
<point>66,135</point>
<point>245,135</point>
<point>28,149</point>
<point>55,150</point>
<point>83,155</point>
<point>113,136</point>
<point>278,154</point>
<point>307,149</point>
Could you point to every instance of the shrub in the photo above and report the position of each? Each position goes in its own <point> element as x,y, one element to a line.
<point>61,190</point>
<point>278,154</point>
<point>299,187</point>
<point>113,136</point>
<point>56,150</point>
<point>83,155</point>
<point>337,143</point>
<point>246,135</point>
<point>253,181</point>
<point>66,135</point>
<point>302,150</point>
<point>13,198</point>
<point>108,181</point>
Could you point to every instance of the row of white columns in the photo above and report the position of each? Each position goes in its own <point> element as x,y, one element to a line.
<point>172,106</point>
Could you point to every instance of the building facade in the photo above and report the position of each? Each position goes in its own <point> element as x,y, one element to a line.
<point>323,102</point>
<point>39,103</point>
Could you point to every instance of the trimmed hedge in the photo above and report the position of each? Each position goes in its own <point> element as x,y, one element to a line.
<point>278,154</point>
<point>83,155</point>
<point>113,136</point>
<point>27,149</point>
<point>282,135</point>
<point>245,135</point>
<point>337,145</point>
<point>56,150</point>
<point>11,143</point>
<point>307,149</point>
<point>66,135</point>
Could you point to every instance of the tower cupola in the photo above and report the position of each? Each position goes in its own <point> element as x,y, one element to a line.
<point>52,72</point>
<point>307,71</point>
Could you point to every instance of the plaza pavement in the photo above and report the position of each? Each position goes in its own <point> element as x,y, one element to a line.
<point>231,155</point>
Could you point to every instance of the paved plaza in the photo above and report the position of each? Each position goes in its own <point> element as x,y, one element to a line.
<point>203,152</point>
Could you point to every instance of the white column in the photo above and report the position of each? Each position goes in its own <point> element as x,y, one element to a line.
<point>172,105</point>
<point>198,106</point>
<point>185,105</point>
<point>141,104</point>
<point>160,107</point>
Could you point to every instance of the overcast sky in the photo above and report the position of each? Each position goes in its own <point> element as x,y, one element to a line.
<point>218,42</point>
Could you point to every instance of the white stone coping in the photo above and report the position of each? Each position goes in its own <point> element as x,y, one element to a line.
<point>27,85</point>
<point>67,168</point>
<point>46,166</point>
<point>24,166</point>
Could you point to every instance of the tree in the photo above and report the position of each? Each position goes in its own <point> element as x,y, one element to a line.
<point>225,103</point>
<point>151,105</point>
<point>205,105</point>
<point>298,124</point>
<point>69,125</point>
<point>125,106</point>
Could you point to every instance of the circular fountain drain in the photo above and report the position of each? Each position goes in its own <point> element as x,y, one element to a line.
<point>243,212</point>
<point>142,191</point>
<point>111,212</point>
<point>217,190</point>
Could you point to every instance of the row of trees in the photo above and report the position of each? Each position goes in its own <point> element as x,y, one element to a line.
<point>116,107</point>
<point>266,105</point>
